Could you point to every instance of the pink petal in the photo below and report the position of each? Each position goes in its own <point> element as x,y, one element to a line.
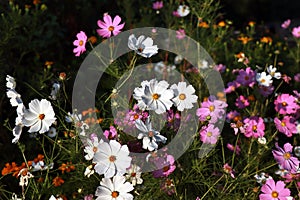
<point>107,19</point>
<point>116,21</point>
<point>101,24</point>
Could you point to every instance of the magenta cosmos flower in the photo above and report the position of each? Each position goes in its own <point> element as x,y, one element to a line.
<point>80,43</point>
<point>255,127</point>
<point>274,191</point>
<point>158,5</point>
<point>285,158</point>
<point>286,104</point>
<point>296,32</point>
<point>108,27</point>
<point>287,125</point>
<point>209,134</point>
<point>165,165</point>
<point>246,77</point>
<point>242,102</point>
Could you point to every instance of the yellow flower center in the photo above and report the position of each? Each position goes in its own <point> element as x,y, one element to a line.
<point>274,194</point>
<point>81,43</point>
<point>41,116</point>
<point>115,194</point>
<point>111,28</point>
<point>282,124</point>
<point>155,96</point>
<point>211,108</point>
<point>182,96</point>
<point>136,116</point>
<point>254,128</point>
<point>209,134</point>
<point>286,156</point>
<point>112,158</point>
<point>284,104</point>
<point>262,80</point>
<point>95,149</point>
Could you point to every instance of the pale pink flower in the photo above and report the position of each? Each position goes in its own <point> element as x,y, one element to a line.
<point>296,32</point>
<point>286,24</point>
<point>287,125</point>
<point>109,26</point>
<point>228,170</point>
<point>255,127</point>
<point>180,34</point>
<point>274,191</point>
<point>209,134</point>
<point>80,43</point>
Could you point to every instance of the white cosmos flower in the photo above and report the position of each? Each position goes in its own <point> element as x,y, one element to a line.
<point>15,197</point>
<point>91,148</point>
<point>52,132</point>
<point>89,171</point>
<point>10,82</point>
<point>17,129</point>
<point>154,95</point>
<point>184,96</point>
<point>264,79</point>
<point>150,136</point>
<point>39,117</point>
<point>14,97</point>
<point>272,71</point>
<point>73,117</point>
<point>183,10</point>
<point>111,159</point>
<point>116,189</point>
<point>142,46</point>
<point>134,174</point>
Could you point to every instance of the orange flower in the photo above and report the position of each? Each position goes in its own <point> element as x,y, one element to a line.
<point>245,39</point>
<point>251,23</point>
<point>89,111</point>
<point>92,39</point>
<point>57,181</point>
<point>49,63</point>
<point>36,2</point>
<point>67,167</point>
<point>221,24</point>
<point>203,25</point>
<point>266,40</point>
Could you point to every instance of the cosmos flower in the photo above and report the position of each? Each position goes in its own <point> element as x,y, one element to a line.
<point>285,158</point>
<point>133,174</point>
<point>264,79</point>
<point>296,32</point>
<point>158,5</point>
<point>109,26</point>
<point>184,96</point>
<point>154,95</point>
<point>272,71</point>
<point>287,125</point>
<point>183,10</point>
<point>286,104</point>
<point>273,191</point>
<point>115,189</point>
<point>209,134</point>
<point>111,158</point>
<point>142,46</point>
<point>80,43</point>
<point>286,24</point>
<point>39,117</point>
<point>180,34</point>
<point>150,136</point>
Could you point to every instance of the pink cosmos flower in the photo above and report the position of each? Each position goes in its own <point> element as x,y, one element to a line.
<point>175,13</point>
<point>166,165</point>
<point>211,110</point>
<point>232,148</point>
<point>220,67</point>
<point>285,158</point>
<point>286,104</point>
<point>255,127</point>
<point>246,77</point>
<point>158,5</point>
<point>111,134</point>
<point>286,24</point>
<point>209,134</point>
<point>108,27</point>
<point>242,102</point>
<point>231,115</point>
<point>80,43</point>
<point>297,77</point>
<point>274,191</point>
<point>228,170</point>
<point>238,126</point>
<point>180,34</point>
<point>231,86</point>
<point>296,32</point>
<point>287,125</point>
